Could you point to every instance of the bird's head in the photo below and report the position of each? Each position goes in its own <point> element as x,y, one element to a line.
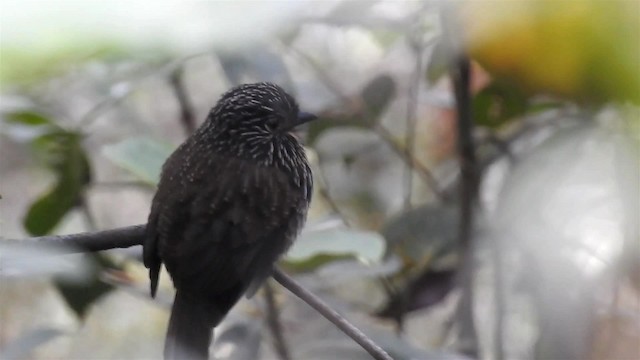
<point>253,118</point>
<point>264,108</point>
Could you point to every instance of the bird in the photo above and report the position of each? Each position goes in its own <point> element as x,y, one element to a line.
<point>230,201</point>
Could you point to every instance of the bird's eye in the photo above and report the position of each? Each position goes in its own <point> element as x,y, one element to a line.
<point>272,123</point>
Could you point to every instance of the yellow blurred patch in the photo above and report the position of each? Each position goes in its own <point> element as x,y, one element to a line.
<point>585,50</point>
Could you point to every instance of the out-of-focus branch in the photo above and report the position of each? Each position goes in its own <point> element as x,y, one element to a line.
<point>417,46</point>
<point>134,235</point>
<point>325,191</point>
<point>274,323</point>
<point>354,104</point>
<point>353,332</point>
<point>187,117</point>
<point>460,75</point>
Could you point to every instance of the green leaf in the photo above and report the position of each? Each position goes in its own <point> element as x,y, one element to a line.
<point>62,151</point>
<point>26,117</point>
<point>141,156</point>
<point>80,296</point>
<point>315,248</point>
<point>46,212</point>
<point>421,234</point>
<point>498,104</point>
<point>377,94</point>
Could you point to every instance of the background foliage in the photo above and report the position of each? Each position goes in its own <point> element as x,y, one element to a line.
<point>94,98</point>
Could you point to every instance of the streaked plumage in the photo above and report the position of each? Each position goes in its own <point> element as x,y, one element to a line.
<point>231,200</point>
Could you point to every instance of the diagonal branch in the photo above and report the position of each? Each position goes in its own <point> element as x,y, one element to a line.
<point>321,307</point>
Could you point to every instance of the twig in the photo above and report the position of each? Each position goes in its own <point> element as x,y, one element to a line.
<point>113,98</point>
<point>273,321</point>
<point>412,120</point>
<point>325,191</point>
<point>134,235</point>
<point>352,103</point>
<point>187,117</point>
<point>404,153</point>
<point>321,307</point>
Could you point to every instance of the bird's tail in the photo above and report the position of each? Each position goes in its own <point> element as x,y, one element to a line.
<point>190,329</point>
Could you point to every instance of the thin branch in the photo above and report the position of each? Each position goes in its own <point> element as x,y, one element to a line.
<point>91,241</point>
<point>187,117</point>
<point>353,103</point>
<point>412,119</point>
<point>321,307</point>
<point>404,153</point>
<point>325,192</point>
<point>273,321</point>
<point>134,235</point>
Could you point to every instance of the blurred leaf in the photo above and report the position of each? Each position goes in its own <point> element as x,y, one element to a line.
<point>80,296</point>
<point>26,125</point>
<point>377,94</point>
<point>422,233</point>
<point>62,151</point>
<point>141,156</point>
<point>497,104</point>
<point>26,117</point>
<point>22,347</point>
<point>255,64</point>
<point>315,248</point>
<point>438,62</point>
<point>429,289</point>
<point>46,212</point>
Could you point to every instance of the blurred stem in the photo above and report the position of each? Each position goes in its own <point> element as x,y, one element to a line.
<point>187,117</point>
<point>325,191</point>
<point>415,39</point>
<point>352,103</point>
<point>460,75</point>
<point>321,307</point>
<point>274,323</point>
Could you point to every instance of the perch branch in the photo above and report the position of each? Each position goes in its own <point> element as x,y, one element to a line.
<point>134,235</point>
<point>321,307</point>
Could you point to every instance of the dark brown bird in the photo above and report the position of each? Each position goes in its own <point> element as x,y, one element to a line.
<point>231,200</point>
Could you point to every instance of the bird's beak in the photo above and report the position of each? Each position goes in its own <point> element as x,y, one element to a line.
<point>303,118</point>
